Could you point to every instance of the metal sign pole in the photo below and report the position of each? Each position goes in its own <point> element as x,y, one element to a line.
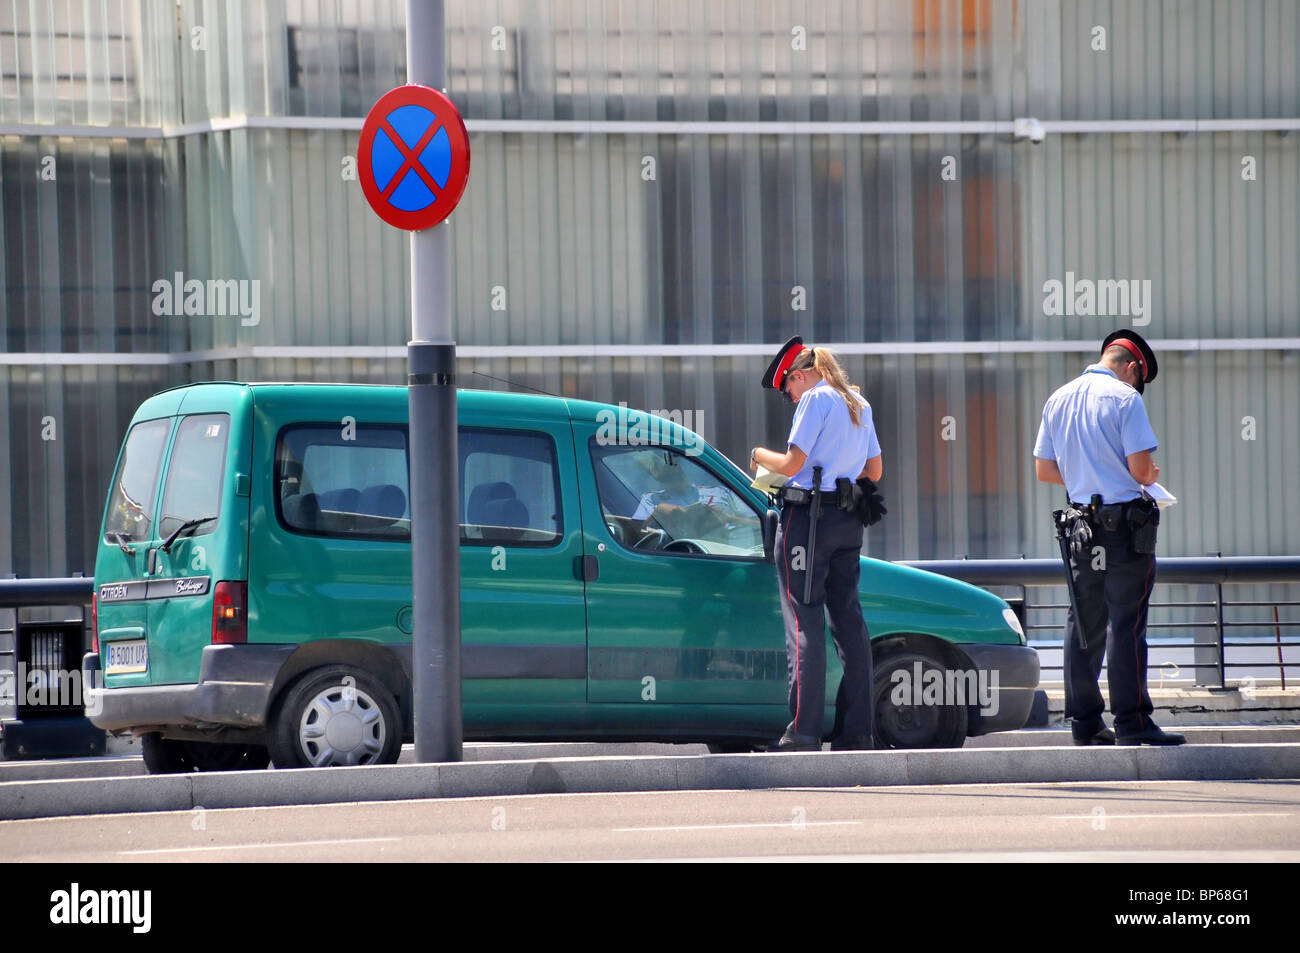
<point>435,493</point>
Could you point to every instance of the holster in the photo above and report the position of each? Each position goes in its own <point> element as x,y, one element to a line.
<point>847,494</point>
<point>1143,519</point>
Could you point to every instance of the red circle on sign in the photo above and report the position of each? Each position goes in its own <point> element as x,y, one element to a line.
<point>447,195</point>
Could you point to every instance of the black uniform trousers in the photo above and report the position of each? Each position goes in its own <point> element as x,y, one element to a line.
<point>836,570</point>
<point>1112,585</point>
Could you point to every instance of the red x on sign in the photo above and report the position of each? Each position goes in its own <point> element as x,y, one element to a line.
<point>413,157</point>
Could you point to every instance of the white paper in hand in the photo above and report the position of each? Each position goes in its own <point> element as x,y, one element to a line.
<point>1164,499</point>
<point>769,481</point>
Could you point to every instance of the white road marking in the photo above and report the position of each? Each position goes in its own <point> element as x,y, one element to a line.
<point>731,827</point>
<point>287,843</point>
<point>1144,817</point>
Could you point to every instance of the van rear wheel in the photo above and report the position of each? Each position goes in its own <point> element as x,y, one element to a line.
<point>335,715</point>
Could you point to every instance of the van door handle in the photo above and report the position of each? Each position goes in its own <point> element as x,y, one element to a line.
<point>586,568</point>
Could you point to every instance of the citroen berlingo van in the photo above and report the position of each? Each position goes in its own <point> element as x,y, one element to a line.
<point>253,587</point>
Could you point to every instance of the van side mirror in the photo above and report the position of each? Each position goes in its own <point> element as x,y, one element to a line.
<point>770,520</point>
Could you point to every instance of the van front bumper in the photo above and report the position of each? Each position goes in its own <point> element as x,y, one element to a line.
<point>233,690</point>
<point>1016,668</point>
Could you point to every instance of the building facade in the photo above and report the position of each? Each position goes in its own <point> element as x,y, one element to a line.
<point>660,194</point>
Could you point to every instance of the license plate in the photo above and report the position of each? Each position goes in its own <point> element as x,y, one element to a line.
<point>125,657</point>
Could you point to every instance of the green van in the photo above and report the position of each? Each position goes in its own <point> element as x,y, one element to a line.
<point>253,587</point>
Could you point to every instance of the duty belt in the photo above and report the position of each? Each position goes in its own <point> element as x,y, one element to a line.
<point>1112,514</point>
<point>798,496</point>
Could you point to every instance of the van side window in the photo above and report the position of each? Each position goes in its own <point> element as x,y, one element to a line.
<point>509,488</point>
<point>195,473</point>
<point>328,483</point>
<point>130,507</point>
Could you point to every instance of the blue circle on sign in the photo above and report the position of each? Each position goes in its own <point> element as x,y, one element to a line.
<point>411,123</point>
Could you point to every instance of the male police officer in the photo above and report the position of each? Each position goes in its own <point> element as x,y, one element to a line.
<point>1096,440</point>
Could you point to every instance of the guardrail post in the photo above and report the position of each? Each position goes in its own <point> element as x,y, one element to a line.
<point>1218,625</point>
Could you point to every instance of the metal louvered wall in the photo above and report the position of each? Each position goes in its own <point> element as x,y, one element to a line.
<point>631,232</point>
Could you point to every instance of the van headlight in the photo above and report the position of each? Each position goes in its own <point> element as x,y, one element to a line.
<point>1012,621</point>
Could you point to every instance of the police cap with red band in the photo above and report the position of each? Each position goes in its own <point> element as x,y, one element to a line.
<point>1141,351</point>
<point>775,374</point>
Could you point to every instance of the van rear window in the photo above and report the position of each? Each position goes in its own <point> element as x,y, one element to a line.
<point>195,474</point>
<point>130,507</point>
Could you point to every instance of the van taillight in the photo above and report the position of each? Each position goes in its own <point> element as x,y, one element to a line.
<point>230,614</point>
<point>94,622</point>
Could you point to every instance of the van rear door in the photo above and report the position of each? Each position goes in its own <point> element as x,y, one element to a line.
<point>203,525</point>
<point>128,535</point>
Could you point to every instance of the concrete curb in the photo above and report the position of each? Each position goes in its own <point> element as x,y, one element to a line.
<point>33,799</point>
<point>124,766</point>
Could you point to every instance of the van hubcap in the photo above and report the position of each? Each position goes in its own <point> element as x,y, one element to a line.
<point>342,725</point>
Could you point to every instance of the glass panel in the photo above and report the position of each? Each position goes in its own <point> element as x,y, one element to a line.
<point>329,484</point>
<point>130,508</point>
<point>655,499</point>
<point>509,488</point>
<point>195,474</point>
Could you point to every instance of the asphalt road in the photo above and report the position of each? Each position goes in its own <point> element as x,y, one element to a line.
<point>1147,821</point>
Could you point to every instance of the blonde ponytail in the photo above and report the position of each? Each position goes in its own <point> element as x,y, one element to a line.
<point>822,360</point>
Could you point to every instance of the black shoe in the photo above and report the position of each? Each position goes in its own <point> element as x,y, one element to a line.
<point>860,743</point>
<point>791,743</point>
<point>1151,736</point>
<point>1103,736</point>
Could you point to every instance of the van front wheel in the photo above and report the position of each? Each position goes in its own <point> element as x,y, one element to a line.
<point>335,716</point>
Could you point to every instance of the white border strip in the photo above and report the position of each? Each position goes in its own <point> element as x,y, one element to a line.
<point>652,127</point>
<point>364,352</point>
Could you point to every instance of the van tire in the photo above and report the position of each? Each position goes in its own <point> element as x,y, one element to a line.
<point>913,726</point>
<point>334,704</point>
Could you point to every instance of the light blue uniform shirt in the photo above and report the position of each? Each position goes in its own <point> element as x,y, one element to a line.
<point>824,431</point>
<point>1090,426</point>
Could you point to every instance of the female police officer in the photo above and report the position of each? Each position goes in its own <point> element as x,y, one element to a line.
<point>819,542</point>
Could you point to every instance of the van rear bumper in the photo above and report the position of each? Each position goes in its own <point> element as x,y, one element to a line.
<point>233,690</point>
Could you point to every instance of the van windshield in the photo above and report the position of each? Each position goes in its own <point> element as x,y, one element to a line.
<point>130,507</point>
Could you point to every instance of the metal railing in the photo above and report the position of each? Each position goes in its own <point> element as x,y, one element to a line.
<point>1214,571</point>
<point>1021,574</point>
<point>58,591</point>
